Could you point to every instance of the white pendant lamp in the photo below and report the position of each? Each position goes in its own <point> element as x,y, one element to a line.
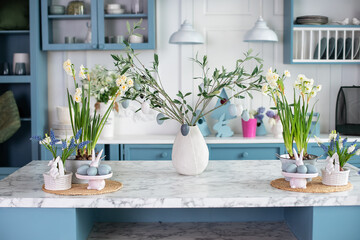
<point>186,35</point>
<point>260,32</point>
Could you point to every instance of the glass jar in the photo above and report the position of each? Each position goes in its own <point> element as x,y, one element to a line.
<point>136,6</point>
<point>75,8</point>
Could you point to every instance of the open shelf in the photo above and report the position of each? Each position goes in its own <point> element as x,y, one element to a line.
<point>126,15</point>
<point>15,78</point>
<point>14,31</point>
<point>72,17</point>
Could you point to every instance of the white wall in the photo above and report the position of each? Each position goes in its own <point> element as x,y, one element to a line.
<point>223,23</point>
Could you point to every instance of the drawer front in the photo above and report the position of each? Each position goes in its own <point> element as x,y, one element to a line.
<point>147,151</point>
<point>244,151</point>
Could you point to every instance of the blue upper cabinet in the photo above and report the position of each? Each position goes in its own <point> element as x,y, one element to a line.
<point>309,39</point>
<point>105,20</point>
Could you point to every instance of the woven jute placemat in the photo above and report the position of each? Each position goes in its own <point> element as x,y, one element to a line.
<point>81,189</point>
<point>315,186</point>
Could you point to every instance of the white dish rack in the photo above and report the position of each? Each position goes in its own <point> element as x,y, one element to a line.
<point>306,39</point>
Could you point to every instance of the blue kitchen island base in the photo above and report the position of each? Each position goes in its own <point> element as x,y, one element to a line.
<point>76,224</point>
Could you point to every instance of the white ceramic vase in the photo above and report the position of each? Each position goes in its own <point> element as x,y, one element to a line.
<point>71,165</point>
<point>109,127</point>
<point>59,183</point>
<point>277,129</point>
<point>335,178</point>
<point>190,154</point>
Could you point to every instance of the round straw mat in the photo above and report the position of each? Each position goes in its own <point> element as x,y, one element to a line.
<point>315,186</point>
<point>81,189</point>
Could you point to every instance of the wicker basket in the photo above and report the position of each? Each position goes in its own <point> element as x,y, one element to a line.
<point>59,183</point>
<point>335,178</point>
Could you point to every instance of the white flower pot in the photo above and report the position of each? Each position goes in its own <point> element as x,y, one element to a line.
<point>335,178</point>
<point>109,127</point>
<point>190,154</point>
<point>58,183</point>
<point>277,129</point>
<point>71,165</point>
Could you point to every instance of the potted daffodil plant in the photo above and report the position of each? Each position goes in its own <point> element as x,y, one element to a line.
<point>188,157</point>
<point>293,115</point>
<point>57,178</point>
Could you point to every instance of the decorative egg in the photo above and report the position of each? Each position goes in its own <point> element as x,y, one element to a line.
<point>137,86</point>
<point>245,115</point>
<point>145,107</point>
<point>301,169</point>
<point>185,129</point>
<point>107,166</point>
<point>291,168</point>
<point>92,171</point>
<point>311,168</point>
<point>159,118</point>
<point>233,110</point>
<point>125,104</point>
<point>103,170</point>
<point>83,169</point>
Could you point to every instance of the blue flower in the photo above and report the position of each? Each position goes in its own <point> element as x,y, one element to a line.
<point>261,110</point>
<point>332,145</point>
<point>259,117</point>
<point>337,138</point>
<point>63,144</point>
<point>83,144</point>
<point>344,142</point>
<point>78,134</point>
<point>324,147</point>
<point>53,138</point>
<point>36,138</point>
<point>72,143</point>
<point>270,114</point>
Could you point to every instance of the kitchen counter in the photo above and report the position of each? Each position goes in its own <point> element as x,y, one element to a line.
<point>150,184</point>
<point>228,191</point>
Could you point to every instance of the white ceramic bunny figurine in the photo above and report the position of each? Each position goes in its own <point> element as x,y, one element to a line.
<point>56,171</point>
<point>298,182</point>
<point>96,159</point>
<point>332,163</point>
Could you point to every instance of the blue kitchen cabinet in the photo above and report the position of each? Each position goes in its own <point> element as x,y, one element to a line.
<point>147,151</point>
<point>5,171</point>
<point>56,27</point>
<point>30,90</point>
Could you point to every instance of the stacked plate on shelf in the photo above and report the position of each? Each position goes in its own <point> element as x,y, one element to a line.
<point>312,20</point>
<point>114,8</point>
<point>340,48</point>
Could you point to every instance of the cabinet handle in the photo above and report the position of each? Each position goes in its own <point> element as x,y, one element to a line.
<point>244,154</point>
<point>101,46</point>
<point>94,46</point>
<point>164,154</point>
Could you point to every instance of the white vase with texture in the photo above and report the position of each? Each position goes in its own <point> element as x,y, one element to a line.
<point>190,154</point>
<point>109,127</point>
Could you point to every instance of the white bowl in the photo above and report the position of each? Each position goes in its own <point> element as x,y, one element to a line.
<point>115,11</point>
<point>136,39</point>
<point>113,6</point>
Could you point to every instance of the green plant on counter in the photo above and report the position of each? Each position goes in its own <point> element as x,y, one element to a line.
<point>79,109</point>
<point>148,86</point>
<point>293,116</point>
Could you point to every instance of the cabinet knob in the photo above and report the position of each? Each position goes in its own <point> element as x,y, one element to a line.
<point>244,154</point>
<point>94,46</point>
<point>164,154</point>
<point>101,46</point>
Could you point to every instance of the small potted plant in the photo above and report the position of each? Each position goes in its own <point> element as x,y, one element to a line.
<point>259,116</point>
<point>57,178</point>
<point>190,154</point>
<point>294,116</point>
<point>339,152</point>
<point>275,123</point>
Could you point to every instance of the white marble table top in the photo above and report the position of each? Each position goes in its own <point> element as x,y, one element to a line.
<point>169,139</point>
<point>155,184</point>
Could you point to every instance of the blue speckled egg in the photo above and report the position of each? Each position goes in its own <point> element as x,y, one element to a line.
<point>185,129</point>
<point>137,86</point>
<point>83,169</point>
<point>103,170</point>
<point>291,168</point>
<point>301,169</point>
<point>92,171</point>
<point>125,104</point>
<point>311,168</point>
<point>107,166</point>
<point>159,119</point>
<point>245,115</point>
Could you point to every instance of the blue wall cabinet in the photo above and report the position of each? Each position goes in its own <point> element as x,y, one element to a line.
<point>30,91</point>
<point>107,30</point>
<point>305,42</point>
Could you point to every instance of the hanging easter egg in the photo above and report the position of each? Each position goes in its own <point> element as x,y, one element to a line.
<point>145,107</point>
<point>233,110</point>
<point>185,129</point>
<point>137,86</point>
<point>103,170</point>
<point>92,171</point>
<point>311,168</point>
<point>291,168</point>
<point>245,115</point>
<point>159,119</point>
<point>125,104</point>
<point>301,169</point>
<point>82,170</point>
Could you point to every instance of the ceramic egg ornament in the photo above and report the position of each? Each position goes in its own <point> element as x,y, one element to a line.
<point>185,129</point>
<point>245,115</point>
<point>233,110</point>
<point>83,169</point>
<point>311,168</point>
<point>125,104</point>
<point>159,119</point>
<point>145,107</point>
<point>92,171</point>
<point>301,169</point>
<point>103,170</point>
<point>291,168</point>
